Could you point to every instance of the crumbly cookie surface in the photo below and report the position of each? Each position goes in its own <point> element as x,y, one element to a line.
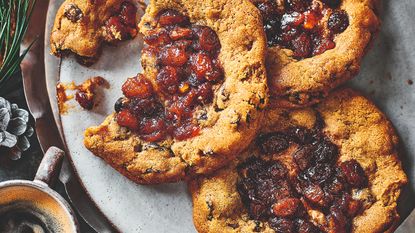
<point>80,27</point>
<point>229,123</point>
<point>302,82</point>
<point>361,132</point>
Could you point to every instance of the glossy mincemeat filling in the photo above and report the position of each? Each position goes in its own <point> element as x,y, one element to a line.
<point>307,27</point>
<point>188,70</point>
<point>311,181</point>
<point>122,26</point>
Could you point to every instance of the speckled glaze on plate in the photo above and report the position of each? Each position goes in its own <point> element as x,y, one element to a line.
<point>384,78</point>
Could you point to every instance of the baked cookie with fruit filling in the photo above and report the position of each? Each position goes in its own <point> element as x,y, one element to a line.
<point>314,45</point>
<point>201,96</point>
<point>82,26</point>
<point>331,168</point>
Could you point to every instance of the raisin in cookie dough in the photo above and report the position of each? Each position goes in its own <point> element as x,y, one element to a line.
<point>314,46</point>
<point>81,27</point>
<point>330,168</point>
<point>200,99</point>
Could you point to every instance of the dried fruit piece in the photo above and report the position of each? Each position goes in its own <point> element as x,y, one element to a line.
<point>171,17</point>
<point>138,87</point>
<point>354,173</point>
<point>127,119</point>
<point>282,225</point>
<point>208,39</point>
<point>73,13</point>
<point>179,33</point>
<point>287,207</point>
<point>272,143</point>
<point>338,21</point>
<point>302,45</point>
<point>173,56</point>
<point>157,38</point>
<point>168,79</point>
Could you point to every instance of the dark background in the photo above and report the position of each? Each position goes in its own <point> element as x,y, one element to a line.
<point>26,167</point>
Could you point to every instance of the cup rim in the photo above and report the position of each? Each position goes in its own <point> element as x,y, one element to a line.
<point>43,187</point>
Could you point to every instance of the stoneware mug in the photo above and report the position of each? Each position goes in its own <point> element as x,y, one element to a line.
<point>32,206</point>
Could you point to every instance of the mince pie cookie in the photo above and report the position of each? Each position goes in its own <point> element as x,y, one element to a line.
<point>82,26</point>
<point>201,96</point>
<point>331,168</point>
<point>314,45</point>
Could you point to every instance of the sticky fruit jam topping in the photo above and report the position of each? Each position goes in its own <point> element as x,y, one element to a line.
<point>123,25</point>
<point>307,27</point>
<point>188,70</point>
<point>313,181</point>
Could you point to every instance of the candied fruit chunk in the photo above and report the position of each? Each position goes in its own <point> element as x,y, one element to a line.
<point>172,17</point>
<point>314,193</point>
<point>208,39</point>
<point>168,79</point>
<point>138,87</point>
<point>127,119</point>
<point>179,33</point>
<point>201,64</point>
<point>354,173</point>
<point>287,207</point>
<point>310,20</point>
<point>173,56</point>
<point>157,38</point>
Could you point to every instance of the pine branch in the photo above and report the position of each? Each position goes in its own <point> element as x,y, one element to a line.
<point>14,19</point>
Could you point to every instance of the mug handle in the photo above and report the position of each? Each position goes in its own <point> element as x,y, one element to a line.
<point>49,168</point>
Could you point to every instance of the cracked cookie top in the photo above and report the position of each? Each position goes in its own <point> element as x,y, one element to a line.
<point>330,168</point>
<point>198,102</point>
<point>82,26</point>
<point>314,45</point>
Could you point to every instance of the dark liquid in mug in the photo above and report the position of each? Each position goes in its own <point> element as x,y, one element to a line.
<point>22,217</point>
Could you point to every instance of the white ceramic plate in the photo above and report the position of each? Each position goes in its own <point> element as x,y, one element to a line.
<point>167,208</point>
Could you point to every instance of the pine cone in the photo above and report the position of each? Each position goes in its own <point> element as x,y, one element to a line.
<point>14,129</point>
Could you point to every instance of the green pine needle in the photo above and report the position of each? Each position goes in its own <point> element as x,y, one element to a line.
<point>14,19</point>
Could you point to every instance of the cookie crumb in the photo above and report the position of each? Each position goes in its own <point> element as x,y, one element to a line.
<point>62,97</point>
<point>85,93</point>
